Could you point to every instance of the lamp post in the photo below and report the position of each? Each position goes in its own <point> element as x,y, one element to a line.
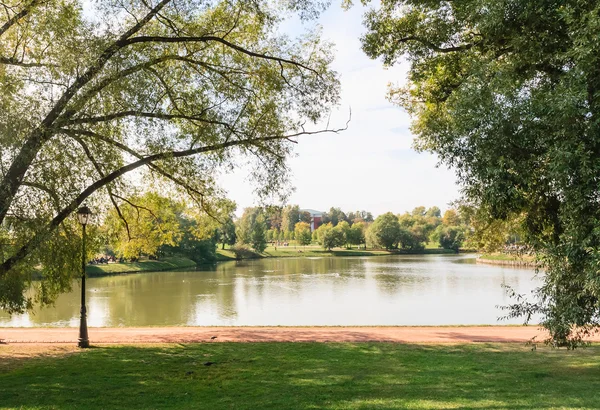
<point>83,215</point>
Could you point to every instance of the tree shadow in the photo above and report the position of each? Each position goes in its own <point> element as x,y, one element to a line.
<point>307,376</point>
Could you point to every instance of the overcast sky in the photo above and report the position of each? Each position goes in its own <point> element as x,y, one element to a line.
<point>370,166</point>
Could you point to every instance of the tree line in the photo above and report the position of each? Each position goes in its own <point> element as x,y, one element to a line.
<point>457,227</point>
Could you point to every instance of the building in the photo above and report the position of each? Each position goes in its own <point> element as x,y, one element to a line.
<point>316,218</point>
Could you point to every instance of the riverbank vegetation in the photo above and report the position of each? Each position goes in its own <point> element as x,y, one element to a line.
<point>152,227</point>
<point>301,376</point>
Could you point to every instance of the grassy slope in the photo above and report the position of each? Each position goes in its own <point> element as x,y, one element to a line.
<point>306,376</point>
<point>316,251</point>
<point>141,266</point>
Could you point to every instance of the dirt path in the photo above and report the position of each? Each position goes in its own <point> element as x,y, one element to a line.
<point>467,334</point>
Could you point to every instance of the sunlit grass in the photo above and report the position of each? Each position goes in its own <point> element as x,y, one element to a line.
<point>140,266</point>
<point>306,376</point>
<point>317,251</point>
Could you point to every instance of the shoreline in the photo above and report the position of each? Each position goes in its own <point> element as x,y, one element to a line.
<point>254,334</point>
<point>98,271</point>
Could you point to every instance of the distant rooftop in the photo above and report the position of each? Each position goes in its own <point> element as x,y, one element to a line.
<point>312,211</point>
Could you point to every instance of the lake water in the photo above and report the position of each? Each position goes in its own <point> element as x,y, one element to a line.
<point>385,290</point>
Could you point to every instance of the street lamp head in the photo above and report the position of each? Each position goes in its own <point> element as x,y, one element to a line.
<point>84,215</point>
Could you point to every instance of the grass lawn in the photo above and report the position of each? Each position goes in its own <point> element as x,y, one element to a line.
<point>304,376</point>
<point>140,266</point>
<point>317,251</point>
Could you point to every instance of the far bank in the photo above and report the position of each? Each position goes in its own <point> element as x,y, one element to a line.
<point>224,255</point>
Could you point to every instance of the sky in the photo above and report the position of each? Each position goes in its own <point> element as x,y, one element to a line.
<point>371,166</point>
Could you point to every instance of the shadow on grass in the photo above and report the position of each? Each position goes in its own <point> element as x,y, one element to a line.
<point>307,376</point>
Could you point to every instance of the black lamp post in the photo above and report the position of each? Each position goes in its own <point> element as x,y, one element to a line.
<point>83,215</point>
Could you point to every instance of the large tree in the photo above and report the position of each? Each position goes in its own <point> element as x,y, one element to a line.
<point>507,92</point>
<point>385,231</point>
<point>97,97</point>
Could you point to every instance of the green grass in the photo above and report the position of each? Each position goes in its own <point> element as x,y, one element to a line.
<point>306,376</point>
<point>317,251</point>
<point>140,266</point>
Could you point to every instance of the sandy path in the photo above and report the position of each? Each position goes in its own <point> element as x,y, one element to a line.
<point>400,334</point>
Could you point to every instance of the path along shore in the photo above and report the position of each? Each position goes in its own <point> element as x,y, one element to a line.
<point>397,334</point>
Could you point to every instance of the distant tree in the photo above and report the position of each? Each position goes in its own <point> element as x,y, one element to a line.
<point>419,211</point>
<point>335,215</point>
<point>434,211</point>
<point>451,218</point>
<point>273,217</point>
<point>386,230</point>
<point>329,236</point>
<point>290,216</point>
<point>259,231</point>
<point>451,237</point>
<point>333,238</point>
<point>356,233</point>
<point>303,234</point>
<point>245,224</point>
<point>226,233</point>
<point>344,226</point>
<point>353,217</point>
<point>367,216</point>
<point>305,217</point>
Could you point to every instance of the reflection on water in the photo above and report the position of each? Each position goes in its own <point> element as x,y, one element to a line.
<point>394,290</point>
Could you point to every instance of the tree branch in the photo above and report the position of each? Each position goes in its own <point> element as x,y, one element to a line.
<point>20,63</point>
<point>14,19</point>
<point>111,195</point>
<point>14,177</point>
<point>26,249</point>
<point>205,39</point>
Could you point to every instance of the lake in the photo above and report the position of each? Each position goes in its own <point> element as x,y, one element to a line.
<point>383,290</point>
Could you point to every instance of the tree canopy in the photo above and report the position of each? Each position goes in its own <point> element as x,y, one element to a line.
<point>100,97</point>
<point>508,94</point>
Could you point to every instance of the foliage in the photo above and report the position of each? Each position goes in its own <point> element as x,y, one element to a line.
<point>153,225</point>
<point>334,216</point>
<point>290,216</point>
<point>258,237</point>
<point>360,216</point>
<point>251,228</point>
<point>508,93</point>
<point>385,231</point>
<point>303,233</point>
<point>451,237</point>
<point>226,232</point>
<point>243,252</point>
<point>330,237</point>
<point>356,234</point>
<point>344,227</point>
<point>100,97</point>
<point>305,217</point>
<point>145,224</point>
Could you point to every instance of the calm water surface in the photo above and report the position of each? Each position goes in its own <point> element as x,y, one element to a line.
<point>394,290</point>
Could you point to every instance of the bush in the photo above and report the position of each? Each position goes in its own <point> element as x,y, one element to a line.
<point>243,252</point>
